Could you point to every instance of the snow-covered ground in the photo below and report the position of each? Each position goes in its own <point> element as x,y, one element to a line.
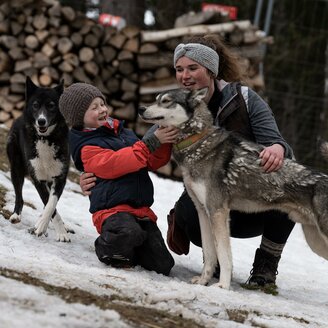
<point>302,279</point>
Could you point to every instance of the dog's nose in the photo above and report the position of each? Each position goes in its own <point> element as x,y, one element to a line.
<point>141,110</point>
<point>42,121</point>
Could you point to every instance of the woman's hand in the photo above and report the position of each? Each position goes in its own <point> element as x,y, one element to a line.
<point>272,158</point>
<point>167,135</point>
<point>87,181</point>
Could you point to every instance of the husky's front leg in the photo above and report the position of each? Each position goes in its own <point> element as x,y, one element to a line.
<point>221,232</point>
<point>209,253</point>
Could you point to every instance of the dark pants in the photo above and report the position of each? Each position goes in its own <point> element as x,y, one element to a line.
<point>273,225</point>
<point>138,240</point>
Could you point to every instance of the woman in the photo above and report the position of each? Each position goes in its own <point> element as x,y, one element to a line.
<point>207,62</point>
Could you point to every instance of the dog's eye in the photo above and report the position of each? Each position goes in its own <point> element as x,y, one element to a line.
<point>50,105</point>
<point>36,105</point>
<point>165,100</point>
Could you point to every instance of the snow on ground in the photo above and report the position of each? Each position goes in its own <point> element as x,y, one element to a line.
<point>302,279</point>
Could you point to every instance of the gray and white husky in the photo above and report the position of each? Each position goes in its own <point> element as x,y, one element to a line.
<point>222,172</point>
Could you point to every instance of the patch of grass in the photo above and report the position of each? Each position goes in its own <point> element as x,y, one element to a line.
<point>4,164</point>
<point>3,211</point>
<point>133,314</point>
<point>268,288</point>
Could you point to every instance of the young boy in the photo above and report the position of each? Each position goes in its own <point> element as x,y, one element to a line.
<point>121,199</point>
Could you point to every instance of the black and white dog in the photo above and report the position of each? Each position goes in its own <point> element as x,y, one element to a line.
<point>37,146</point>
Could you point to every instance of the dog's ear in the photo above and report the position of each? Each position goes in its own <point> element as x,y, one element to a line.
<point>200,94</point>
<point>60,87</point>
<point>30,87</point>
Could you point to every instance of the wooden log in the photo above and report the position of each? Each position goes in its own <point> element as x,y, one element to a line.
<point>86,54</point>
<point>112,85</point>
<point>126,67</point>
<point>16,53</point>
<point>80,75</point>
<point>157,86</point>
<point>64,30</point>
<point>91,40</point>
<point>65,45</point>
<point>158,36</point>
<point>91,68</point>
<point>154,61</point>
<point>128,85</point>
<point>18,78</point>
<point>6,105</point>
<point>4,116</point>
<point>51,71</point>
<point>129,96</point>
<point>66,67</point>
<point>72,58</point>
<point>109,53</point>
<point>9,41</point>
<point>45,80</point>
<point>127,112</point>
<point>42,35</point>
<point>5,62</point>
<point>40,60</point>
<point>68,13</point>
<point>40,22</point>
<point>117,41</point>
<point>77,39</point>
<point>132,45</point>
<point>125,55</point>
<point>54,10</point>
<point>22,65</point>
<point>49,50</point>
<point>130,31</point>
<point>16,27</point>
<point>148,48</point>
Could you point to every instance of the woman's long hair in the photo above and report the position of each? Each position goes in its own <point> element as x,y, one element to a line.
<point>230,68</point>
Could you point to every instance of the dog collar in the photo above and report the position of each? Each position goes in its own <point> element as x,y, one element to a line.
<point>189,140</point>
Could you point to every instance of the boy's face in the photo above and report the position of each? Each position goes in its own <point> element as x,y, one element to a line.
<point>97,114</point>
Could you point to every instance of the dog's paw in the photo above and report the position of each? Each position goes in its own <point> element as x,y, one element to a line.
<point>41,227</point>
<point>199,280</point>
<point>15,218</point>
<point>32,231</point>
<point>63,237</point>
<point>222,285</point>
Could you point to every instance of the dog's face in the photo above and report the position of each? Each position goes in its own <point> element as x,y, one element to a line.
<point>174,107</point>
<point>42,109</point>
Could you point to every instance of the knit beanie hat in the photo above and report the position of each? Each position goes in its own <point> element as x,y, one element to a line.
<point>75,101</point>
<point>199,53</point>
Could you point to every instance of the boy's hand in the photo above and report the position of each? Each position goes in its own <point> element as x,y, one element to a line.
<point>87,181</point>
<point>167,134</point>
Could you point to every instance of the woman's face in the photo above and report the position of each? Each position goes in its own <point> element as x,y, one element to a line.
<point>191,75</point>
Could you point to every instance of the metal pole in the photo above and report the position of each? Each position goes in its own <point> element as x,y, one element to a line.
<point>258,12</point>
<point>268,17</point>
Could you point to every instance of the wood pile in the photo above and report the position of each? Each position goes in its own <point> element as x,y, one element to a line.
<point>50,42</point>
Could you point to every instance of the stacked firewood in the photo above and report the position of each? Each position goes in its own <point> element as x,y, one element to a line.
<point>50,42</point>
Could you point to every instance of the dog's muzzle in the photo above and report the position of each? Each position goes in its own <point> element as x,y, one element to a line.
<point>42,125</point>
